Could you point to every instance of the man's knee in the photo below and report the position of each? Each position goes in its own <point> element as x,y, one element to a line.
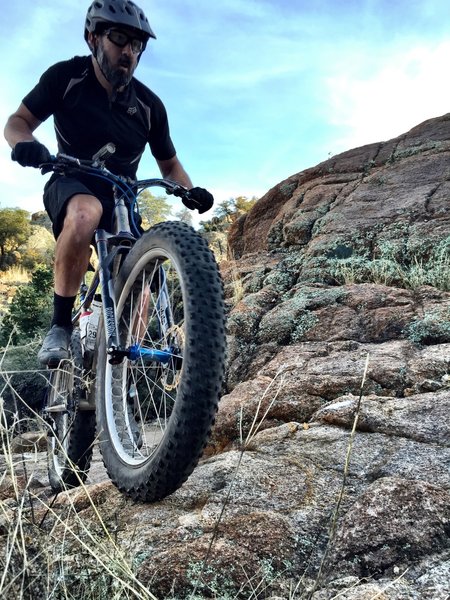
<point>83,214</point>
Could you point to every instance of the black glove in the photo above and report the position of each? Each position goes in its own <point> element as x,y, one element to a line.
<point>199,199</point>
<point>30,154</point>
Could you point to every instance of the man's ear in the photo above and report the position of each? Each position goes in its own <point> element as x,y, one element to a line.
<point>92,41</point>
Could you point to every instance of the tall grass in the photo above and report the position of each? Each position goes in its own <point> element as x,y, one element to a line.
<point>409,270</point>
<point>49,551</point>
<point>15,276</point>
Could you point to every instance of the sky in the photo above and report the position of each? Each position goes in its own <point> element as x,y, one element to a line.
<point>255,90</point>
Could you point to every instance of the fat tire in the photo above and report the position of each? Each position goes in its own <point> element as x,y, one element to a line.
<point>72,434</point>
<point>199,387</point>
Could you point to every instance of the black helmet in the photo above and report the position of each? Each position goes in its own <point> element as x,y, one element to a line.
<point>101,13</point>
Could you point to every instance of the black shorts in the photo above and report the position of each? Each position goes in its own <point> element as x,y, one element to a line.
<point>60,189</point>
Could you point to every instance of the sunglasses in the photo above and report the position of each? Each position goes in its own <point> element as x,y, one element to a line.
<point>121,39</point>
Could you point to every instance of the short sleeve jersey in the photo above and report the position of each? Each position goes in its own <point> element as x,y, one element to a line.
<point>85,119</point>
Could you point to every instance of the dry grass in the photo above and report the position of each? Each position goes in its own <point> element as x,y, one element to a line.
<point>410,273</point>
<point>15,276</point>
<point>235,286</point>
<point>49,550</point>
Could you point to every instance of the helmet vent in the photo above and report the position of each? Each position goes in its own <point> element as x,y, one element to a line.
<point>116,12</point>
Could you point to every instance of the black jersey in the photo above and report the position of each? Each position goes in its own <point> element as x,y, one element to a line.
<point>85,119</point>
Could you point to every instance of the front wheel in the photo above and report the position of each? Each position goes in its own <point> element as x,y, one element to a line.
<point>156,409</point>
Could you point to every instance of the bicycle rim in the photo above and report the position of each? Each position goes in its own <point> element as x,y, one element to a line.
<point>60,399</point>
<point>72,431</point>
<point>143,391</point>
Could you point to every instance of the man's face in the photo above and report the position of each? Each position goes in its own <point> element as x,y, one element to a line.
<point>117,56</point>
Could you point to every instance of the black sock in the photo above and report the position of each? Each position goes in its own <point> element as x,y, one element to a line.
<point>62,310</point>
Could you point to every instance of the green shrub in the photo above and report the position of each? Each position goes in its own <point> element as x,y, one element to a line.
<point>30,311</point>
<point>396,264</point>
<point>432,328</point>
<point>21,384</point>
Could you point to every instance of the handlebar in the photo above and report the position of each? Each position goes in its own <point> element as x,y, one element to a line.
<point>62,163</point>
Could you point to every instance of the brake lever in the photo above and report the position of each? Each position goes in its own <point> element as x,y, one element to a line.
<point>48,167</point>
<point>182,192</point>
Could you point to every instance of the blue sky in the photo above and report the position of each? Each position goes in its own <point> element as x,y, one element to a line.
<point>256,90</point>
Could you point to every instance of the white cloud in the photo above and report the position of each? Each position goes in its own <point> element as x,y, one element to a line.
<point>407,88</point>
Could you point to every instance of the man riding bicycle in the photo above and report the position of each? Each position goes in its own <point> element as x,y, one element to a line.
<point>94,100</point>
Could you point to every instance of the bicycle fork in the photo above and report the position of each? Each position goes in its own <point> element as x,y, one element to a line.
<point>165,319</point>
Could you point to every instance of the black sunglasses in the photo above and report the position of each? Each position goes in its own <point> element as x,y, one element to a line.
<point>121,39</point>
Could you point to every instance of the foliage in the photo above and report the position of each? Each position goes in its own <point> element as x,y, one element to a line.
<point>243,204</point>
<point>399,264</point>
<point>14,232</point>
<point>30,309</point>
<point>217,241</point>
<point>432,328</point>
<point>214,224</point>
<point>153,209</point>
<point>226,212</point>
<point>39,248</point>
<point>185,216</point>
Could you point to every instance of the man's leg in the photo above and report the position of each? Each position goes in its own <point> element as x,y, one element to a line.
<point>83,215</point>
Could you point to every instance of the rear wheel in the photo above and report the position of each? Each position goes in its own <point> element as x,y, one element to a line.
<point>154,416</point>
<point>72,431</point>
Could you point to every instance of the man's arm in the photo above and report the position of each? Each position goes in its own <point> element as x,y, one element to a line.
<point>20,126</point>
<point>199,198</point>
<point>172,169</point>
<point>27,151</point>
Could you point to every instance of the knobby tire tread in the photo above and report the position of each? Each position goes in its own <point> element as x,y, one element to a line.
<point>203,368</point>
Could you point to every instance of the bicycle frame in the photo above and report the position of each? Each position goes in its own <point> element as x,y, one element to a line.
<point>109,247</point>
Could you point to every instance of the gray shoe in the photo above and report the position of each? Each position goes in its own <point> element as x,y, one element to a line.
<point>55,346</point>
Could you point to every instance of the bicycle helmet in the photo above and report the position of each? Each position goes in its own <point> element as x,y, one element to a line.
<point>103,13</point>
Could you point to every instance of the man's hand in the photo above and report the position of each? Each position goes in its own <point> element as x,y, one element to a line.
<point>199,199</point>
<point>30,154</point>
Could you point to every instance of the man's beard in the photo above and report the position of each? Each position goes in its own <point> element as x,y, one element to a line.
<point>116,76</point>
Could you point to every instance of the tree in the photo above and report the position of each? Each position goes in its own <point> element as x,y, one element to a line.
<point>30,309</point>
<point>39,248</point>
<point>226,212</point>
<point>184,215</point>
<point>14,232</point>
<point>153,209</point>
<point>243,204</point>
<point>214,224</point>
<point>225,209</point>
